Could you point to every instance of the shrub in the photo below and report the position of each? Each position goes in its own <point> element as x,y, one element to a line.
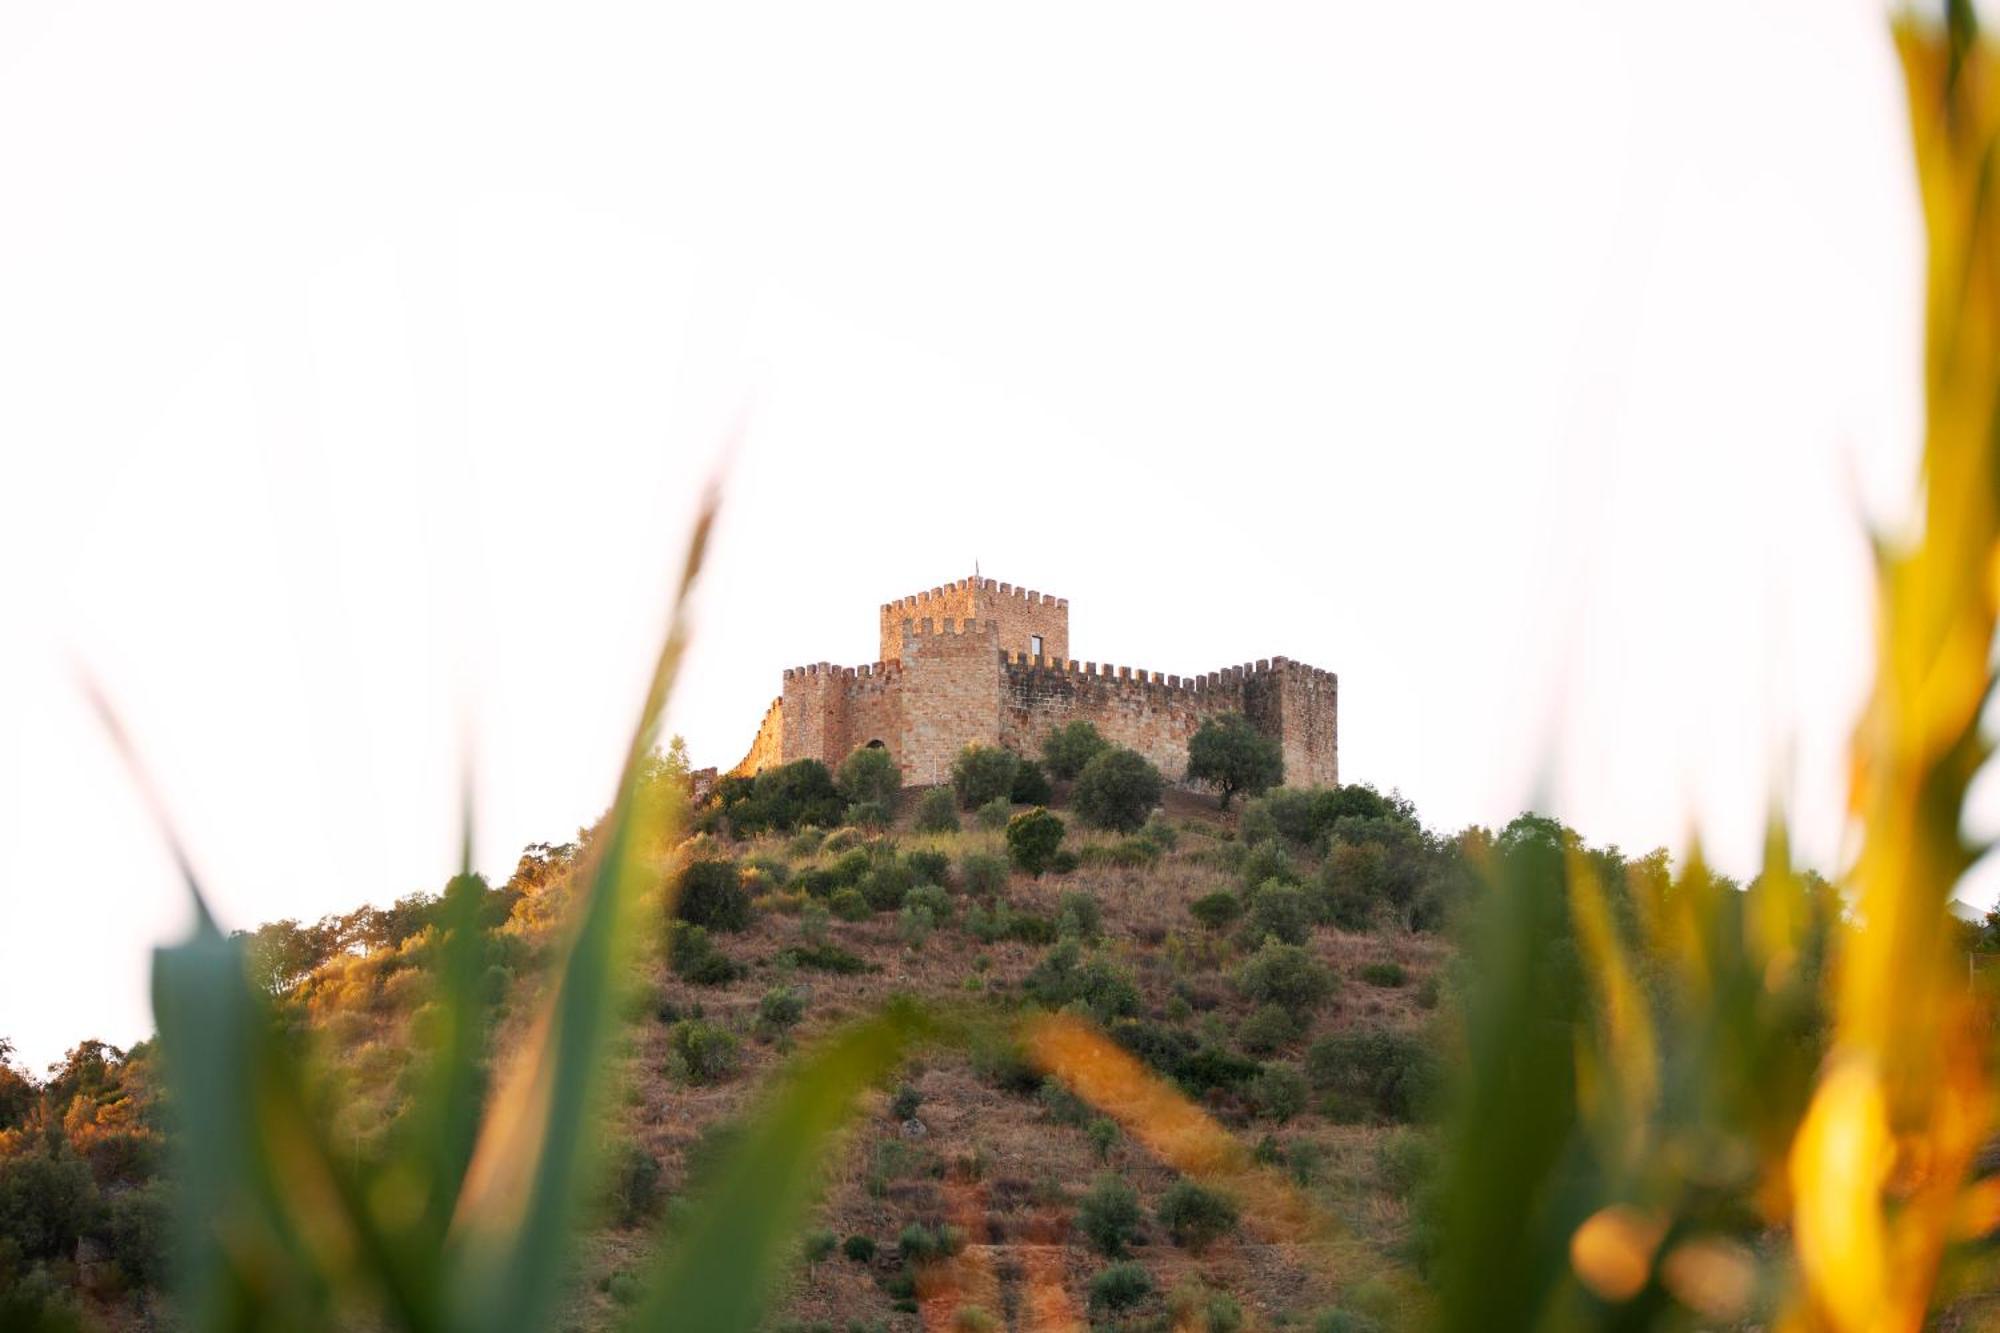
<point>885,886</point>
<point>711,895</point>
<point>1277,911</point>
<point>903,1105</point>
<point>850,905</point>
<point>1159,834</point>
<point>928,867</point>
<point>1394,1073</point>
<point>859,1248</point>
<point>993,816</point>
<point>982,773</point>
<point>781,1008</point>
<point>1279,1092</point>
<point>1032,839</point>
<point>1078,917</point>
<point>827,958</point>
<point>1120,1287</point>
<point>1270,1027</point>
<point>1386,975</point>
<point>1069,747</point>
<point>694,956</point>
<point>1194,1216</point>
<point>919,1244</point>
<point>870,775</point>
<point>929,898</point>
<point>1066,861</point>
<point>1201,1309</point>
<point>937,812</point>
<point>45,1203</point>
<point>1060,979</point>
<point>1232,756</point>
<point>1109,1215</point>
<point>1031,785</point>
<point>868,815</point>
<point>784,798</point>
<point>1285,974</point>
<point>137,1230</point>
<point>700,1052</point>
<point>634,1191</point>
<point>1405,1160</point>
<point>814,921</point>
<point>1343,1321</point>
<point>1265,861</point>
<point>1117,790</point>
<point>914,926</point>
<point>1216,910</point>
<point>1343,905</point>
<point>1103,1135</point>
<point>982,874</point>
<point>852,866</point>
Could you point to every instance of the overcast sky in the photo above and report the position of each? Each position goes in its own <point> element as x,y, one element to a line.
<point>1531,366</point>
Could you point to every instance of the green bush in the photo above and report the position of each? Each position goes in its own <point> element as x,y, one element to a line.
<point>1032,839</point>
<point>1231,755</point>
<point>885,886</point>
<point>1386,975</point>
<point>937,812</point>
<point>1062,979</point>
<point>1269,1028</point>
<point>711,895</point>
<point>1200,1309</point>
<point>859,1248</point>
<point>868,815</point>
<point>781,1008</point>
<point>1103,1135</point>
<point>46,1202</point>
<point>699,1052</point>
<point>1159,834</point>
<point>827,958</point>
<point>1031,785</point>
<point>1285,974</point>
<point>1343,905</point>
<point>1393,1073</point>
<point>634,1189</point>
<point>1194,1216</point>
<point>1277,911</point>
<point>1344,1321</point>
<point>817,1247</point>
<point>1078,917</point>
<point>993,816</point>
<point>928,867</point>
<point>1265,861</point>
<point>904,1103</point>
<point>1109,1215</point>
<point>785,798</point>
<point>1405,1160</point>
<point>870,775</point>
<point>137,1225</point>
<point>932,899</point>
<point>1069,747</point>
<point>693,955</point>
<point>1117,790</point>
<point>852,866</point>
<point>1120,1287</point>
<point>982,874</point>
<point>982,773</point>
<point>1216,910</point>
<point>1279,1093</point>
<point>850,905</point>
<point>920,1245</point>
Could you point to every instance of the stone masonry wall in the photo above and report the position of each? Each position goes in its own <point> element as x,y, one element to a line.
<point>951,680</point>
<point>1156,714</point>
<point>1019,614</point>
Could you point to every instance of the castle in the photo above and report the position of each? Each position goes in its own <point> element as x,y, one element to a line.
<point>983,663</point>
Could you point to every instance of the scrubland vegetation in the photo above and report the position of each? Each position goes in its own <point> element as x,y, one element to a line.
<point>1059,1046</point>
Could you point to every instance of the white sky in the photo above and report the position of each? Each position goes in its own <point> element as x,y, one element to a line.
<point>1528,365</point>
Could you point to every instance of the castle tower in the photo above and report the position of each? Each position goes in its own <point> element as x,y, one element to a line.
<point>1029,622</point>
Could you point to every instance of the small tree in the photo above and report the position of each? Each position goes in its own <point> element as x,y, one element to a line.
<point>937,812</point>
<point>1120,1286</point>
<point>711,894</point>
<point>1069,747</point>
<point>982,773</point>
<point>1232,756</point>
<point>1285,974</point>
<point>1031,785</point>
<point>1032,840</point>
<point>1196,1217</point>
<point>1117,790</point>
<point>1109,1215</point>
<point>870,775</point>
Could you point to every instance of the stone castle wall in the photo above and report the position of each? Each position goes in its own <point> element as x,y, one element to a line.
<point>1018,614</point>
<point>960,673</point>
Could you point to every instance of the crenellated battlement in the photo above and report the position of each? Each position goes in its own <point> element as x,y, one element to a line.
<point>958,592</point>
<point>978,661</point>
